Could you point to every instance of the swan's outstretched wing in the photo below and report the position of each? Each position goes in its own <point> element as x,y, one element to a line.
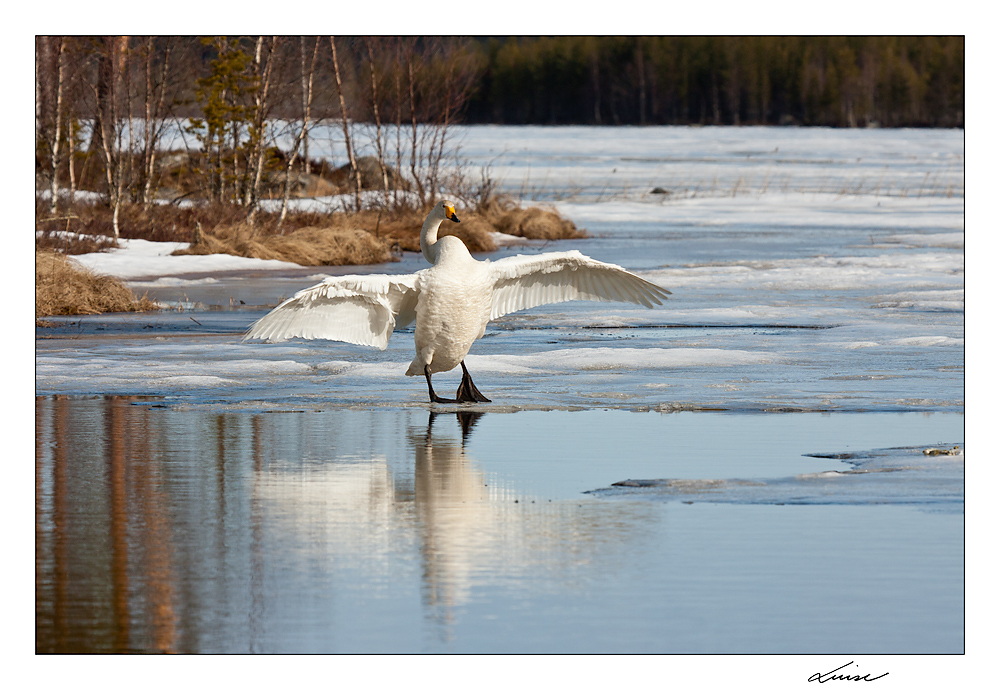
<point>522,282</point>
<point>354,309</point>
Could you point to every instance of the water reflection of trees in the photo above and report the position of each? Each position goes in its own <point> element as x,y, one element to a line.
<point>102,531</point>
<point>171,530</point>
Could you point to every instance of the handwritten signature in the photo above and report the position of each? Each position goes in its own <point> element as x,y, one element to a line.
<point>833,675</point>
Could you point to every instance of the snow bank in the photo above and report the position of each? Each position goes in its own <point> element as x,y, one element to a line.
<point>143,259</point>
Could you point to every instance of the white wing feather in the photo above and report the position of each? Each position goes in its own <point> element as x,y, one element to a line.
<point>522,282</point>
<point>362,310</point>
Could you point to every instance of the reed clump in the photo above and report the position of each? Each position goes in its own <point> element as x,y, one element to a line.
<point>64,288</point>
<point>309,246</point>
<point>535,223</point>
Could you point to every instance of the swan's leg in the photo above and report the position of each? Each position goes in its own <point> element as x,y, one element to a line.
<point>430,388</point>
<point>467,391</point>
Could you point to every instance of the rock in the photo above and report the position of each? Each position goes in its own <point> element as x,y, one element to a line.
<point>371,174</point>
<point>174,159</point>
<point>305,185</point>
<point>957,450</point>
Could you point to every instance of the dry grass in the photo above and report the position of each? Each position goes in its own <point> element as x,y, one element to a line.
<point>311,246</point>
<point>535,223</point>
<point>368,237</point>
<point>63,287</point>
<point>87,226</point>
<point>404,230</point>
<point>309,239</point>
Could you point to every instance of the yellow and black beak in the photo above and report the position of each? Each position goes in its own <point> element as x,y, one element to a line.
<point>449,213</point>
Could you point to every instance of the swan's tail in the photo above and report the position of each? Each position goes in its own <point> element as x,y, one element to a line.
<point>416,367</point>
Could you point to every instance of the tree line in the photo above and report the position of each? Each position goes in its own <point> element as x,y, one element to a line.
<point>838,81</point>
<point>104,103</point>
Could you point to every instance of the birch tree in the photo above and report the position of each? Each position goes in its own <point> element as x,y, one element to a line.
<point>301,138</point>
<point>155,111</point>
<point>379,144</point>
<point>256,148</point>
<point>307,92</point>
<point>55,117</point>
<point>109,123</point>
<point>411,80</point>
<point>347,132</point>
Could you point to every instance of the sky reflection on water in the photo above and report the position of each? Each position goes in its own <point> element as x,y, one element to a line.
<point>398,530</point>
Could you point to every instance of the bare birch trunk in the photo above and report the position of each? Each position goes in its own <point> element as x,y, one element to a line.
<point>378,122</point>
<point>113,171</point>
<point>123,151</point>
<point>435,162</point>
<point>110,62</point>
<point>131,138</point>
<point>260,115</point>
<point>54,189</point>
<point>414,150</point>
<point>307,89</point>
<point>39,41</point>
<point>147,166</point>
<point>347,133</point>
<point>71,154</point>
<point>236,165</point>
<point>288,180</point>
<point>154,121</point>
<point>301,139</point>
<point>116,180</point>
<point>399,122</point>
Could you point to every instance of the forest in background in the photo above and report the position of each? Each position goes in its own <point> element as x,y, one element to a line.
<point>836,81</point>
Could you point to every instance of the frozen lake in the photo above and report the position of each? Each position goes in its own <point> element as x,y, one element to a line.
<point>667,496</point>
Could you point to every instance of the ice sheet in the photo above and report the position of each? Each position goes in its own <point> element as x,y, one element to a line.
<point>930,477</point>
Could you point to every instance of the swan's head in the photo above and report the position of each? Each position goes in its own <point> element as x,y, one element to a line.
<point>443,210</point>
<point>447,211</point>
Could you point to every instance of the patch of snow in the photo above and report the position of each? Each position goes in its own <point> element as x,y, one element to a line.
<point>928,341</point>
<point>615,358</point>
<point>143,259</point>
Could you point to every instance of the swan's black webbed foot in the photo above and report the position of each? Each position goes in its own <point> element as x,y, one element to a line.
<point>435,398</point>
<point>467,391</point>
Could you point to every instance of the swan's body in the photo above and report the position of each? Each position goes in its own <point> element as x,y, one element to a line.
<point>451,302</point>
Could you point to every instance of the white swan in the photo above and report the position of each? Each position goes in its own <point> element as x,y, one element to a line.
<point>452,301</point>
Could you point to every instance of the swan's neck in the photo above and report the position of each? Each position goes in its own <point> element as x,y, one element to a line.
<point>429,237</point>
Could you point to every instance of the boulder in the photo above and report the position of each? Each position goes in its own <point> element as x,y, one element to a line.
<point>371,174</point>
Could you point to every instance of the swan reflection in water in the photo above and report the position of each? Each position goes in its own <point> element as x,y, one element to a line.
<point>291,522</point>
<point>453,504</point>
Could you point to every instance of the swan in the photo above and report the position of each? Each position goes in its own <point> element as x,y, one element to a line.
<point>451,302</point>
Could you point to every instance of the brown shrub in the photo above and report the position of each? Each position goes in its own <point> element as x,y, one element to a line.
<point>63,287</point>
<point>329,247</point>
<point>474,230</point>
<point>86,226</point>
<point>535,224</point>
<point>402,228</point>
<point>312,246</point>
